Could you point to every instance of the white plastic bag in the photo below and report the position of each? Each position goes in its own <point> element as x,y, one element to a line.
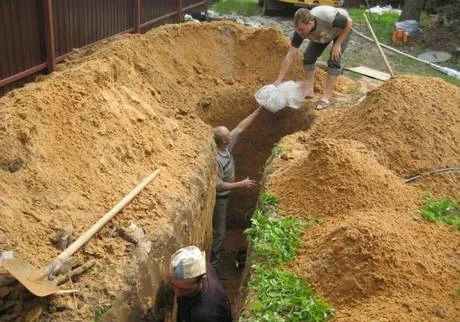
<point>275,98</point>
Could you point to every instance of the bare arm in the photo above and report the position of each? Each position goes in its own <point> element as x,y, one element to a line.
<point>246,183</point>
<point>286,64</point>
<point>337,47</point>
<point>247,120</point>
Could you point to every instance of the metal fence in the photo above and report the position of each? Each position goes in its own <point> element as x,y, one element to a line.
<point>37,34</point>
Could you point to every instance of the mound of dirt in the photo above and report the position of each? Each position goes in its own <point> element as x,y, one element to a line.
<point>411,122</point>
<point>388,265</point>
<point>338,177</point>
<point>372,257</point>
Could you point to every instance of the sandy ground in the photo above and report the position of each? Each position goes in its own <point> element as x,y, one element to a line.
<point>374,257</point>
<point>76,141</point>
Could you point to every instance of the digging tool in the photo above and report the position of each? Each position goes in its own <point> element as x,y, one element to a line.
<point>378,46</point>
<point>37,281</point>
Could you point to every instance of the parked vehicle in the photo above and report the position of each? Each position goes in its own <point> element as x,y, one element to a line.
<point>271,6</point>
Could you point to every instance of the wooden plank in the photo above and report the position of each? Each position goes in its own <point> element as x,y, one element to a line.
<point>367,71</point>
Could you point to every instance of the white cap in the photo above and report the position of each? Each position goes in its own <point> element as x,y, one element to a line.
<point>188,262</point>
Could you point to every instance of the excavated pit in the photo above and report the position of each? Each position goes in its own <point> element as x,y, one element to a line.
<point>251,152</point>
<point>76,141</point>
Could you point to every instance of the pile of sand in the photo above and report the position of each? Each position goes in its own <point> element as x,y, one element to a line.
<point>410,122</point>
<point>388,265</point>
<point>338,177</point>
<point>374,257</point>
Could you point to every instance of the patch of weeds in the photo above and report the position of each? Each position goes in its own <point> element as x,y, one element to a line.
<point>283,297</point>
<point>356,15</point>
<point>354,76</point>
<point>310,221</point>
<point>277,295</point>
<point>457,293</point>
<point>354,58</point>
<point>268,198</point>
<point>240,7</point>
<point>407,65</point>
<point>274,239</point>
<point>277,149</point>
<point>354,91</point>
<point>445,210</point>
<point>100,311</point>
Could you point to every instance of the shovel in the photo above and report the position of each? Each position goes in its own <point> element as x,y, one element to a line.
<point>36,281</point>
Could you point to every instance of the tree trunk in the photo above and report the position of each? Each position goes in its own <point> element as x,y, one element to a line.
<point>411,10</point>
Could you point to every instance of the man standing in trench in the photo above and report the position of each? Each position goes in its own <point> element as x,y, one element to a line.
<point>322,25</point>
<point>225,142</point>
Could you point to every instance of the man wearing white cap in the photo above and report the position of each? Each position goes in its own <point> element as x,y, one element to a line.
<point>200,297</point>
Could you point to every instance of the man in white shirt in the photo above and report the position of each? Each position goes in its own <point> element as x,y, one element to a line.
<point>322,25</point>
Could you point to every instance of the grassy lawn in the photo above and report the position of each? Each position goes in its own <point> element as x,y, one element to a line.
<point>240,7</point>
<point>383,26</point>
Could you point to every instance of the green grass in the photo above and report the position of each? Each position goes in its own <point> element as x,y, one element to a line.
<point>283,297</point>
<point>384,26</point>
<point>354,91</point>
<point>444,210</point>
<point>277,150</point>
<point>406,65</point>
<point>268,198</point>
<point>100,311</point>
<point>240,7</point>
<point>274,239</point>
<point>278,295</point>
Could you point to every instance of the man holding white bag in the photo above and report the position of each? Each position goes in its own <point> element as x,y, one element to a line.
<point>322,25</point>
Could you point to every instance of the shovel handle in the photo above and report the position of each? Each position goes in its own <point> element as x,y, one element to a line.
<point>377,43</point>
<point>76,245</point>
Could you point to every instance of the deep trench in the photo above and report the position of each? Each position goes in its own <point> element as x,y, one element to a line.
<point>251,153</point>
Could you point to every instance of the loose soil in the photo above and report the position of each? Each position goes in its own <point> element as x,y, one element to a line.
<point>373,257</point>
<point>75,142</point>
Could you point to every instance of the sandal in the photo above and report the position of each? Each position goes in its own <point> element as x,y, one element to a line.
<point>322,104</point>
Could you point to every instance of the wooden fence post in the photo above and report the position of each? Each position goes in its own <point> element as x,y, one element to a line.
<point>137,16</point>
<point>179,11</point>
<point>49,35</point>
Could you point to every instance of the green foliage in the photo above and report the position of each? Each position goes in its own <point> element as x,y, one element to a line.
<point>100,311</point>
<point>274,239</point>
<point>276,150</point>
<point>268,198</point>
<point>354,91</point>
<point>383,25</point>
<point>310,221</point>
<point>444,210</point>
<point>241,7</point>
<point>448,8</point>
<point>279,296</point>
<point>283,297</point>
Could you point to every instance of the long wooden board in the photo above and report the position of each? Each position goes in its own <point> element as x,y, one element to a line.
<point>367,71</point>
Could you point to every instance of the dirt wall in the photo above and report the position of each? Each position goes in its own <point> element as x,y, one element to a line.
<point>75,142</point>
